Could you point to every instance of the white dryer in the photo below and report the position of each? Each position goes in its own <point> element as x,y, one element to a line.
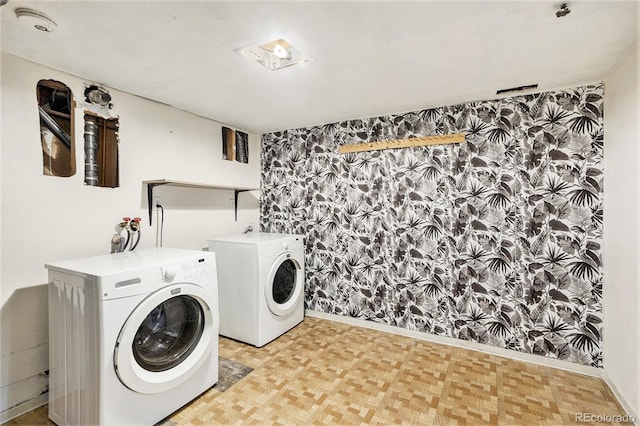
<point>261,285</point>
<point>133,336</point>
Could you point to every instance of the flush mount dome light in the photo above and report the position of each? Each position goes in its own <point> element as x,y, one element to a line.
<point>274,55</point>
<point>35,19</point>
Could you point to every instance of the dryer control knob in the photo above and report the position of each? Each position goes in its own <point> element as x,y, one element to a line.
<point>169,275</point>
<point>285,245</point>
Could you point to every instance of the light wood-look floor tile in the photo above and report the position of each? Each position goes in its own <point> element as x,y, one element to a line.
<point>324,372</point>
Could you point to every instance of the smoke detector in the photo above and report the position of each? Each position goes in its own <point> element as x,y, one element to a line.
<point>274,54</point>
<point>37,20</point>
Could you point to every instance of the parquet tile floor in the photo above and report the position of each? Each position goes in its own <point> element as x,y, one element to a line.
<point>325,372</point>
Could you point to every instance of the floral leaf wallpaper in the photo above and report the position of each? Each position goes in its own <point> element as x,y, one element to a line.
<point>497,240</point>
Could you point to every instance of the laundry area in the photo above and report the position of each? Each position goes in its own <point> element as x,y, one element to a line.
<point>407,212</point>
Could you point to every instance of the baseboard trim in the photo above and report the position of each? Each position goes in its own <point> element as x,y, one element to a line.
<point>621,399</point>
<point>506,353</point>
<point>24,408</point>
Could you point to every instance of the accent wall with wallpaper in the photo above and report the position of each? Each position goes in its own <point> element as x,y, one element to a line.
<point>497,240</point>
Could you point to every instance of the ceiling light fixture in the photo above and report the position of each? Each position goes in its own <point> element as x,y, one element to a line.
<point>274,55</point>
<point>37,20</point>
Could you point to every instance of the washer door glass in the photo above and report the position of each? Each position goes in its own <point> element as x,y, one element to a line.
<point>284,282</point>
<point>168,335</point>
<point>284,289</point>
<point>167,338</point>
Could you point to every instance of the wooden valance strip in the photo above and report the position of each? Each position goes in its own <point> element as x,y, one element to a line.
<point>403,143</point>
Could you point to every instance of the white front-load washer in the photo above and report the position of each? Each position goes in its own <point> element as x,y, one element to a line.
<point>133,336</point>
<point>261,285</point>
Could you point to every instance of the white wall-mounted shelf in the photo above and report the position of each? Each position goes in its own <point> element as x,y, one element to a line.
<point>151,184</point>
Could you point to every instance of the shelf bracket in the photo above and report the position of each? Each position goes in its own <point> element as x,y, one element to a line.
<point>235,201</point>
<point>150,187</point>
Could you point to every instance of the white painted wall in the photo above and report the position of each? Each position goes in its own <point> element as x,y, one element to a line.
<point>622,232</point>
<point>48,218</point>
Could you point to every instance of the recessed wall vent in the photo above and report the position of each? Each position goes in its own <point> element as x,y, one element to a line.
<point>517,89</point>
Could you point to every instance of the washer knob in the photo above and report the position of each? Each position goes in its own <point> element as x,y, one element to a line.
<point>285,245</point>
<point>169,274</point>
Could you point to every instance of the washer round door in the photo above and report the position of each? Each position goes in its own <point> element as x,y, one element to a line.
<point>284,287</point>
<point>165,339</point>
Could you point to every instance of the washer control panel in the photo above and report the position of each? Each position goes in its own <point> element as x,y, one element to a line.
<point>197,269</point>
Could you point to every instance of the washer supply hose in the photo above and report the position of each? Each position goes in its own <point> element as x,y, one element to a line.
<point>135,227</point>
<point>118,242</point>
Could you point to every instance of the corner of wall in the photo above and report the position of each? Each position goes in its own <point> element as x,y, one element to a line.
<point>628,407</point>
<point>622,232</point>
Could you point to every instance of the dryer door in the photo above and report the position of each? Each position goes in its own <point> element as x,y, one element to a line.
<point>284,285</point>
<point>166,338</point>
